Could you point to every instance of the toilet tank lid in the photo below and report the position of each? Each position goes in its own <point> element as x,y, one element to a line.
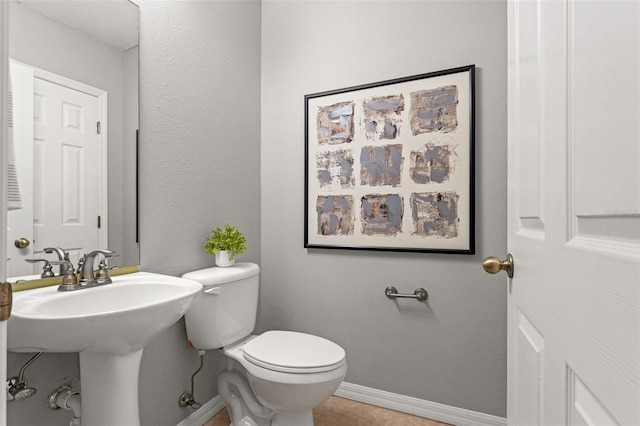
<point>217,275</point>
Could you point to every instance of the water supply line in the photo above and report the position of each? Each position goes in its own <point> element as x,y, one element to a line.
<point>188,398</point>
<point>17,387</point>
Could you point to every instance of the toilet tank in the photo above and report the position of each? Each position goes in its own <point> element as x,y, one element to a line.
<point>226,310</point>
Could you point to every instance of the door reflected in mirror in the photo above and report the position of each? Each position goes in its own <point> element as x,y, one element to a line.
<point>74,84</point>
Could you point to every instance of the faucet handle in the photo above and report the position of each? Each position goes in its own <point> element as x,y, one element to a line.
<point>70,280</point>
<point>102,274</point>
<point>47,272</point>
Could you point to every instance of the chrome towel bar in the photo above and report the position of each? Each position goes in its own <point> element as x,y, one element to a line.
<point>420,293</point>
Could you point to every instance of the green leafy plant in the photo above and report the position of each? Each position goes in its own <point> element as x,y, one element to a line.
<point>229,239</point>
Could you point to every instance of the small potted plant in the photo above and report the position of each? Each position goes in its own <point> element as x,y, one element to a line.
<point>226,244</point>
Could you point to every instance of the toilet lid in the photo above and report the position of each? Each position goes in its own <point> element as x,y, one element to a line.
<point>293,352</point>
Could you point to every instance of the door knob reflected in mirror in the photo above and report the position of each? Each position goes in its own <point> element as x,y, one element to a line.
<point>493,265</point>
<point>22,243</point>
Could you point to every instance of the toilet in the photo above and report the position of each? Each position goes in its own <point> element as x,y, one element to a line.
<point>274,378</point>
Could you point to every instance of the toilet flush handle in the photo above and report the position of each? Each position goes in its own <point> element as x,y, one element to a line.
<point>213,290</point>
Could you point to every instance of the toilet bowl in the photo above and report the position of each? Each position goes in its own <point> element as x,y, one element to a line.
<point>275,378</point>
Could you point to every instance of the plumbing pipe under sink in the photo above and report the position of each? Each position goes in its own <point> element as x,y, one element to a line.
<point>67,398</point>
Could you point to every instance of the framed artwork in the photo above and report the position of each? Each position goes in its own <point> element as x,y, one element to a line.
<point>390,165</point>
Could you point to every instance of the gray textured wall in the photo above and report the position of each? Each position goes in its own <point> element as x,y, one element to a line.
<point>199,165</point>
<point>453,350</point>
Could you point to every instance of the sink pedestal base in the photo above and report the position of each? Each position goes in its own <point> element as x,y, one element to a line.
<point>109,388</point>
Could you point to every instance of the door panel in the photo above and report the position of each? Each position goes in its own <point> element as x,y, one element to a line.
<point>530,372</point>
<point>585,408</point>
<point>603,129</point>
<point>530,166</point>
<point>603,134</point>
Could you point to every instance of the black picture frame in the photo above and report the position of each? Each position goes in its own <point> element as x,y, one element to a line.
<point>391,165</point>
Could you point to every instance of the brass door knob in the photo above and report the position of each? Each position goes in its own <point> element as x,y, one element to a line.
<point>493,265</point>
<point>22,243</point>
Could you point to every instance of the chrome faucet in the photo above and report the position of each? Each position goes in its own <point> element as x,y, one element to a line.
<point>87,278</point>
<point>62,256</point>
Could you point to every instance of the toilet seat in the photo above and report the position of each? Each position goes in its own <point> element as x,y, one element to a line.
<point>293,352</point>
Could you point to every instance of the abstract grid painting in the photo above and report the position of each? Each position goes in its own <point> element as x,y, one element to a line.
<point>390,165</point>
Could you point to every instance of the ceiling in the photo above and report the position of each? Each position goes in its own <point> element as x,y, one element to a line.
<point>113,22</point>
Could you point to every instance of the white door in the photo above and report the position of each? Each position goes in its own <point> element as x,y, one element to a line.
<point>20,221</point>
<point>65,168</point>
<point>574,213</point>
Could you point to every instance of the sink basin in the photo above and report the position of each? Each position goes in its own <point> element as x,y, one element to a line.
<point>120,317</point>
<point>109,326</point>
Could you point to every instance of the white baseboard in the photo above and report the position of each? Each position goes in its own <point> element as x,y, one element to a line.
<point>418,407</point>
<point>393,401</point>
<point>204,413</point>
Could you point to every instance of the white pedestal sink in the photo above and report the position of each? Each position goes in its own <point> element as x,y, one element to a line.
<point>109,326</point>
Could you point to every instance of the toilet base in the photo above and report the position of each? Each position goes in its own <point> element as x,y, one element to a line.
<point>245,409</point>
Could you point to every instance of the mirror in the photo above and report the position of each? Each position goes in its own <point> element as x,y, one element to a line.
<point>89,51</point>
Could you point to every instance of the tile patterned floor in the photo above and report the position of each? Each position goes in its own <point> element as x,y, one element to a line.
<point>344,412</point>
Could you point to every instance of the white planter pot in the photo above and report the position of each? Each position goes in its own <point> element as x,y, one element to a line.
<point>223,259</point>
